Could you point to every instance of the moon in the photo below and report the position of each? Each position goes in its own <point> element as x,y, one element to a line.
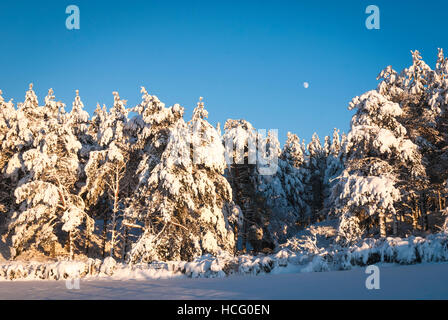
<point>306,85</point>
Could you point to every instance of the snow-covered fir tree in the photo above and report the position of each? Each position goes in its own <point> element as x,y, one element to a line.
<point>80,121</point>
<point>284,190</point>
<point>48,167</point>
<point>316,167</point>
<point>295,177</point>
<point>184,202</point>
<point>333,168</point>
<point>241,142</point>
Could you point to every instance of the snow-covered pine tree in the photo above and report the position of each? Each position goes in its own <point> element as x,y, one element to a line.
<point>379,156</point>
<point>47,164</point>
<point>183,204</point>
<point>106,169</point>
<point>150,130</point>
<point>420,120</point>
<point>18,134</point>
<point>433,137</point>
<point>363,197</point>
<point>422,95</point>
<point>219,216</point>
<point>438,100</point>
<point>7,120</point>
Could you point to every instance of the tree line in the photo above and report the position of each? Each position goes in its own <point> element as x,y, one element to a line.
<point>141,184</point>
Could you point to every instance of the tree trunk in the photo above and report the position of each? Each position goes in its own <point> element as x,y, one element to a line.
<point>125,244</point>
<point>115,210</point>
<point>53,249</point>
<point>415,217</point>
<point>113,231</point>
<point>235,173</point>
<point>70,245</point>
<point>87,244</point>
<point>424,213</point>
<point>382,221</point>
<point>395,225</point>
<point>105,234</point>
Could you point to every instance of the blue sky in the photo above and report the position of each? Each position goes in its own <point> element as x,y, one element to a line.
<point>247,58</point>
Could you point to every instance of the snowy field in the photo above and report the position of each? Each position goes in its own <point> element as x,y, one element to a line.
<point>422,281</point>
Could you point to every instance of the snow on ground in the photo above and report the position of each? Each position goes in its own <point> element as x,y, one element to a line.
<point>421,281</point>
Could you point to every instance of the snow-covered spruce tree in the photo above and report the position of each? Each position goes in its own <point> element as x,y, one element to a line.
<point>106,169</point>
<point>275,203</point>
<point>284,190</point>
<point>270,186</point>
<point>316,167</point>
<point>95,125</point>
<point>379,159</point>
<point>293,151</point>
<point>47,165</point>
<point>438,100</point>
<point>333,168</point>
<point>184,203</point>
<point>79,121</point>
<point>295,177</point>
<point>240,139</point>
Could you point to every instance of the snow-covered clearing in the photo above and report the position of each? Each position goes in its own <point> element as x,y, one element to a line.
<point>421,281</point>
